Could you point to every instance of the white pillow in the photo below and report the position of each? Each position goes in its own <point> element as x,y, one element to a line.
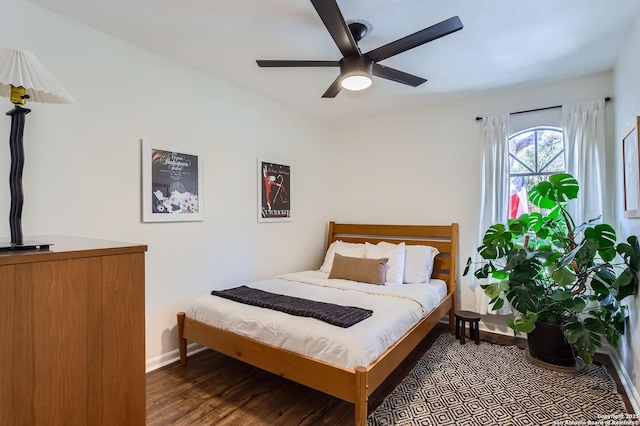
<point>345,249</point>
<point>395,253</point>
<point>418,264</point>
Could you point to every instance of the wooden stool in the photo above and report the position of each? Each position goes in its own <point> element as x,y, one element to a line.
<point>462,317</point>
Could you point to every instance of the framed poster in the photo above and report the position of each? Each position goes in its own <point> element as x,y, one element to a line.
<point>631,177</point>
<point>274,191</point>
<point>172,180</point>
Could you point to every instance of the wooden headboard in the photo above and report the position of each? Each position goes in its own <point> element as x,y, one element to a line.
<point>444,238</point>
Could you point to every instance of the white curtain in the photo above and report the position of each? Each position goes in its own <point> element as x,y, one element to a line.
<point>494,201</point>
<point>583,126</point>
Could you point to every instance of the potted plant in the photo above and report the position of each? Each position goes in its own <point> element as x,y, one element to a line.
<point>554,272</point>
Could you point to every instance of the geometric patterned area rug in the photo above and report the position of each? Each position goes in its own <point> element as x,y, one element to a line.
<point>489,384</point>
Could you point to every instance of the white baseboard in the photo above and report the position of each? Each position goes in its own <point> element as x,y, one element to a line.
<point>626,381</point>
<point>171,357</point>
<point>503,330</point>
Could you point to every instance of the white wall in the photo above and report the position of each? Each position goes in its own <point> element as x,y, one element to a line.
<point>627,93</point>
<point>82,171</point>
<point>422,167</point>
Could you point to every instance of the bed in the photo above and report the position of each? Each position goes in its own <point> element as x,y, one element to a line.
<point>351,383</point>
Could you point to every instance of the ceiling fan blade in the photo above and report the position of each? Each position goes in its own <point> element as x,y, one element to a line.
<point>397,76</point>
<point>416,39</point>
<point>334,21</point>
<point>275,63</point>
<point>334,89</point>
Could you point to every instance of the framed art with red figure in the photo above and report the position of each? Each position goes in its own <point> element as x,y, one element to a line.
<point>274,191</point>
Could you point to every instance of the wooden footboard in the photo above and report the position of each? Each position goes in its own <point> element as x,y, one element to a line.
<point>354,386</point>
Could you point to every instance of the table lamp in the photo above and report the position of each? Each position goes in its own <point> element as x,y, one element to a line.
<point>22,78</point>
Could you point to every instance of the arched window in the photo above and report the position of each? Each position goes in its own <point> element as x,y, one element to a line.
<point>534,154</point>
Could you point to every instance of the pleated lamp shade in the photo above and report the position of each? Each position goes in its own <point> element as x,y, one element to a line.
<point>20,68</point>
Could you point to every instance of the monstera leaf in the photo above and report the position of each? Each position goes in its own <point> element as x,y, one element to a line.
<point>535,223</point>
<point>560,188</point>
<point>625,284</point>
<point>605,236</point>
<point>521,225</point>
<point>563,276</point>
<point>525,297</point>
<point>630,252</point>
<point>585,336</point>
<point>525,323</point>
<point>496,242</point>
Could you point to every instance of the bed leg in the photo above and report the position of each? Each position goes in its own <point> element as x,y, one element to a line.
<point>452,320</point>
<point>361,408</point>
<point>182,342</point>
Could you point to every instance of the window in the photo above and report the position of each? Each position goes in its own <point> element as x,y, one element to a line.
<point>534,154</point>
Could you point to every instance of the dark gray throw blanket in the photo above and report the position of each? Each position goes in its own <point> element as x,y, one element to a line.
<point>342,316</point>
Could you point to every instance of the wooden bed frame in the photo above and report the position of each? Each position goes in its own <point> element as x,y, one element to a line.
<point>357,385</point>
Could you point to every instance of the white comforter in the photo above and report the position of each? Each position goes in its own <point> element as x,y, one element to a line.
<point>395,310</point>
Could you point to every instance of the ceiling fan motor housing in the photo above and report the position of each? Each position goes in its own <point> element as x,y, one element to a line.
<point>356,64</point>
<point>355,72</point>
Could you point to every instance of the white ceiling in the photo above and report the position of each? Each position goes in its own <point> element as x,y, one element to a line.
<point>504,43</point>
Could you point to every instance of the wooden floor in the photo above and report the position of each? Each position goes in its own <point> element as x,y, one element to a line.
<point>214,389</point>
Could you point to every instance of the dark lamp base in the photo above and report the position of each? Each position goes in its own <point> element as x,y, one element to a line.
<point>27,245</point>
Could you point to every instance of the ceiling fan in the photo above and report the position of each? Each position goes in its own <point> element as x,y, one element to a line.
<point>356,68</point>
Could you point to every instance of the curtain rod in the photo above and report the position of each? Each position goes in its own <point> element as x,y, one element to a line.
<point>607,99</point>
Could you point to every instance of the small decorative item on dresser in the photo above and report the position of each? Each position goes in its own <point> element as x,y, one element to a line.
<point>462,317</point>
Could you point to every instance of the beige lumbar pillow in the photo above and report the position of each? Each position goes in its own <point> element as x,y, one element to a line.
<point>372,271</point>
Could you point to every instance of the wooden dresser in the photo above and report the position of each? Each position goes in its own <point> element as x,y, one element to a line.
<point>72,345</point>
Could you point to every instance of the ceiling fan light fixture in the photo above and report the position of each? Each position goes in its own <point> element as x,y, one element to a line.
<point>356,82</point>
<point>355,72</point>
